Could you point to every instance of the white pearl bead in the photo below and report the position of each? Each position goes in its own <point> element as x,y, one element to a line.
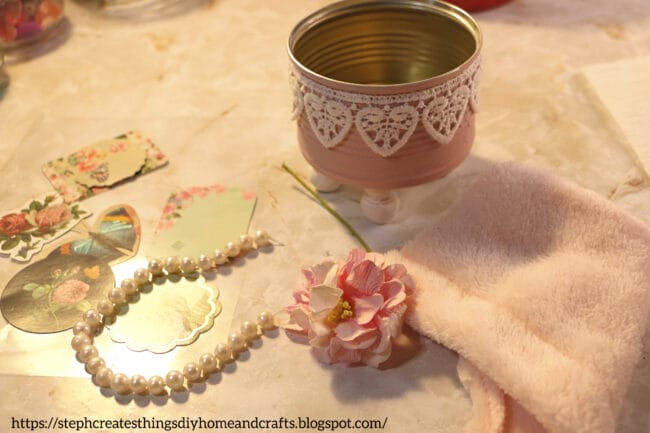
<point>192,372</point>
<point>246,242</point>
<point>117,295</point>
<point>155,267</point>
<point>156,385</point>
<point>87,352</point>
<point>208,363</point>
<point>106,307</point>
<point>237,342</point>
<point>129,286</point>
<point>220,258</point>
<point>262,238</point>
<point>232,249</point>
<point>265,320</point>
<point>94,364</point>
<point>223,352</point>
<point>249,330</point>
<point>188,265</point>
<point>79,341</point>
<point>141,276</point>
<point>172,265</point>
<point>104,377</point>
<point>205,262</point>
<point>174,379</point>
<point>83,328</point>
<point>92,318</point>
<point>139,384</point>
<point>121,384</point>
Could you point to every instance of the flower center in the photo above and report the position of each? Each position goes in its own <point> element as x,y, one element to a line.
<point>342,311</point>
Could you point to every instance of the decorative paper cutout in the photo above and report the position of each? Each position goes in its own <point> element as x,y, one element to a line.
<point>95,168</point>
<point>182,230</point>
<point>24,232</point>
<point>173,314</point>
<point>48,295</point>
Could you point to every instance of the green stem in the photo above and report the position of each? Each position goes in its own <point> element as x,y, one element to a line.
<point>49,309</point>
<point>327,207</point>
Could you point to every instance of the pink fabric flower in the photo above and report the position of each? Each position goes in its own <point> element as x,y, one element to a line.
<point>70,292</point>
<point>351,311</point>
<point>52,216</point>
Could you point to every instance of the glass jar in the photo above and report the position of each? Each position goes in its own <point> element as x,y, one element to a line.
<point>23,21</point>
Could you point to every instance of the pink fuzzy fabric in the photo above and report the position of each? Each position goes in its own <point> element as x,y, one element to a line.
<point>542,287</point>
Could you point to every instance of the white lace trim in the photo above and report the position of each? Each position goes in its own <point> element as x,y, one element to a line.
<point>386,122</point>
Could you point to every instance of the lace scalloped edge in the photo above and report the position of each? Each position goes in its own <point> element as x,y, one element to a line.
<point>386,122</point>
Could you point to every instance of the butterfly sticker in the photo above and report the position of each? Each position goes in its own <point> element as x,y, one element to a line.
<point>48,295</point>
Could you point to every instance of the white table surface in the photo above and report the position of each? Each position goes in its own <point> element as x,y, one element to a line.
<point>210,87</point>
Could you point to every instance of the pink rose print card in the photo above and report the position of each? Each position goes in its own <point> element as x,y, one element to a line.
<point>24,231</point>
<point>200,219</point>
<point>50,294</point>
<point>103,165</point>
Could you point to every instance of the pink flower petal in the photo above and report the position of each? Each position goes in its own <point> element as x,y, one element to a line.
<point>317,326</point>
<point>395,271</point>
<point>299,317</point>
<point>350,330</point>
<point>365,278</point>
<point>316,274</point>
<point>394,292</point>
<point>366,308</point>
<point>323,298</point>
<point>362,342</point>
<point>356,255</point>
<point>373,359</point>
<point>392,322</point>
<point>339,353</point>
<point>322,354</point>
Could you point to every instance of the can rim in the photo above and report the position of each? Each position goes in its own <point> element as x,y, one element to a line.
<point>345,6</point>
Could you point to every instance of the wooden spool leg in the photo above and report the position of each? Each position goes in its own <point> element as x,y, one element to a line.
<point>323,183</point>
<point>379,206</point>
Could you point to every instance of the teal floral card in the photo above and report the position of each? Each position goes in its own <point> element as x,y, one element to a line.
<point>95,168</point>
<point>24,231</point>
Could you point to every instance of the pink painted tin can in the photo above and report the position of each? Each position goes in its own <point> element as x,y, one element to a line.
<point>385,91</point>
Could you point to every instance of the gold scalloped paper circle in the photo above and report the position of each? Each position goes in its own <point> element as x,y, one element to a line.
<point>174,313</point>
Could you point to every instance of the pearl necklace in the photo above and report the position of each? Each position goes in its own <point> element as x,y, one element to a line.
<point>93,319</point>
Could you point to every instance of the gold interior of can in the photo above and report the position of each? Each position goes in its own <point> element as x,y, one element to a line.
<point>384,42</point>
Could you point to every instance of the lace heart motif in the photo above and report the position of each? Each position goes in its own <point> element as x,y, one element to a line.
<point>442,116</point>
<point>330,120</point>
<point>386,130</point>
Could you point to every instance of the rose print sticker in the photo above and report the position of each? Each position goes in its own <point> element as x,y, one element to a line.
<point>24,232</point>
<point>51,296</point>
<point>48,295</point>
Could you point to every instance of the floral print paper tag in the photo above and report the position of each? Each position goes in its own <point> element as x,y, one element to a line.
<point>200,219</point>
<point>24,232</point>
<point>103,165</point>
<point>48,295</point>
